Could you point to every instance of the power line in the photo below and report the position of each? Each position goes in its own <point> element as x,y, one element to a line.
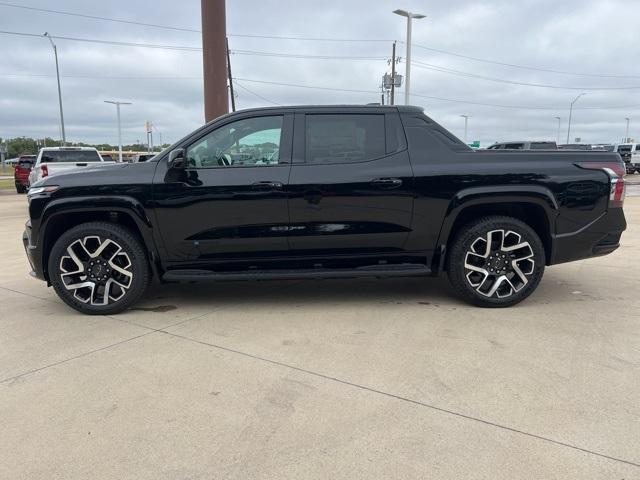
<point>524,67</point>
<point>321,39</point>
<point>256,94</point>
<point>302,55</point>
<point>431,97</point>
<point>192,30</point>
<point>109,42</point>
<point>95,17</point>
<point>318,87</point>
<point>512,82</point>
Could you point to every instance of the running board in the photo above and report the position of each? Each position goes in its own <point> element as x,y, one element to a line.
<point>402,270</point>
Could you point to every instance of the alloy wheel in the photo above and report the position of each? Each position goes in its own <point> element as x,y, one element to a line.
<point>97,270</point>
<point>499,264</point>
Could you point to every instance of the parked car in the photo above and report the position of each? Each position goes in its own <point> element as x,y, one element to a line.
<point>550,145</point>
<point>575,146</point>
<point>11,161</point>
<point>630,153</point>
<point>21,172</point>
<point>351,191</point>
<point>56,160</point>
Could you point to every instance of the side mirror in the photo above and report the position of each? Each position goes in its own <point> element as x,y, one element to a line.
<point>177,159</point>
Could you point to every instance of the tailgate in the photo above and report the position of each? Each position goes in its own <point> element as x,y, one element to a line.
<point>54,168</point>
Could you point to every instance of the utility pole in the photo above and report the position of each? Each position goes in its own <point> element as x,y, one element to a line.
<point>558,135</point>
<point>466,120</point>
<point>393,75</point>
<point>410,16</point>
<point>233,98</point>
<point>117,104</point>
<point>626,135</point>
<point>570,113</point>
<point>214,58</point>
<point>55,54</point>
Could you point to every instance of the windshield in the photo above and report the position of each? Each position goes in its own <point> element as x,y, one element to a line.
<point>624,148</point>
<point>72,156</point>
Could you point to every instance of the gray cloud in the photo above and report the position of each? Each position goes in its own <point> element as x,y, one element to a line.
<point>588,36</point>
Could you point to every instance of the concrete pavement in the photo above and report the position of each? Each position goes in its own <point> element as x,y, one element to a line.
<point>323,379</point>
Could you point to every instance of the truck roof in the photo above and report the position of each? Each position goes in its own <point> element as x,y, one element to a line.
<point>399,108</point>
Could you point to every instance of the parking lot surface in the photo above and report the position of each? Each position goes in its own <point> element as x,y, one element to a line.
<point>332,379</point>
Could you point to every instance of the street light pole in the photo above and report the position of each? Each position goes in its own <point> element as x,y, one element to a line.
<point>407,74</point>
<point>570,113</point>
<point>55,54</point>
<point>558,135</point>
<point>117,104</point>
<point>626,135</point>
<point>466,120</point>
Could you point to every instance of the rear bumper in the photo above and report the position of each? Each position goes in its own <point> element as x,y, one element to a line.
<point>34,255</point>
<point>598,238</point>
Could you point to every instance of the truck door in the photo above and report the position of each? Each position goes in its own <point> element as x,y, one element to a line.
<point>230,201</point>
<point>351,183</point>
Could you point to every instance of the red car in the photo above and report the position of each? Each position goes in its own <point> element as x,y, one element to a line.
<point>21,172</point>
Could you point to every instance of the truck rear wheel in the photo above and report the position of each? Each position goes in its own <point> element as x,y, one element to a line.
<point>496,261</point>
<point>98,268</point>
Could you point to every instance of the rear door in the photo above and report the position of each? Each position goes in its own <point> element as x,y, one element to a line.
<point>351,183</point>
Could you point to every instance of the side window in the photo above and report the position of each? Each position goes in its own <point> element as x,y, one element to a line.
<point>514,146</point>
<point>250,142</point>
<point>344,138</point>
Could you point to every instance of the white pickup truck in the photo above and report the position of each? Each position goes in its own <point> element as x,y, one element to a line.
<point>54,160</point>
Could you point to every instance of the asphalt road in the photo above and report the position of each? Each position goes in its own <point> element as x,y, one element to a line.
<point>324,379</point>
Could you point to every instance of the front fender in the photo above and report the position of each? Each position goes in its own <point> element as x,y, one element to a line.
<point>60,207</point>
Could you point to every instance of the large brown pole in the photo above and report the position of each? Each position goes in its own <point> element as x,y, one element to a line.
<point>214,59</point>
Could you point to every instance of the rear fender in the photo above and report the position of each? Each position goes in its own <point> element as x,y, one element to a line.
<point>494,195</point>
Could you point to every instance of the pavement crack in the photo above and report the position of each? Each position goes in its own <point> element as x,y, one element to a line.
<point>406,399</point>
<point>75,357</point>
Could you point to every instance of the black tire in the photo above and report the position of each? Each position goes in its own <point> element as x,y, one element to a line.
<point>20,188</point>
<point>516,266</point>
<point>128,267</point>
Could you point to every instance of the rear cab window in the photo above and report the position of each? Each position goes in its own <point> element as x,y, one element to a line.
<point>543,146</point>
<point>344,138</point>
<point>70,156</point>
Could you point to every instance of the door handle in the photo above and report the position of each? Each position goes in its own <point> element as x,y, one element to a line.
<point>387,183</point>
<point>81,164</point>
<point>267,185</point>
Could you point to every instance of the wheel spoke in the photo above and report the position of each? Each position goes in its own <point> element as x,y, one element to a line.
<point>499,263</point>
<point>105,261</point>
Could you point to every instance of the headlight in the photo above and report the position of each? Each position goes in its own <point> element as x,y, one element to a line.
<point>37,190</point>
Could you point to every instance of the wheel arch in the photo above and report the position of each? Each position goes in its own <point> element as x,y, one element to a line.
<point>535,206</point>
<point>59,217</point>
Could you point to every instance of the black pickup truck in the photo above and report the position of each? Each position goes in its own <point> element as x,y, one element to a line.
<point>323,192</point>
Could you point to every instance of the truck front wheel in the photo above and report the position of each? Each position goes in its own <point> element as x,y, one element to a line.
<point>496,261</point>
<point>98,268</point>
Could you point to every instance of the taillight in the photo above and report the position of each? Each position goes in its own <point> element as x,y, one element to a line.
<point>616,171</point>
<point>45,170</point>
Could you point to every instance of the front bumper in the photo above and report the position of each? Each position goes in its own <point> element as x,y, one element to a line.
<point>34,255</point>
<point>598,238</point>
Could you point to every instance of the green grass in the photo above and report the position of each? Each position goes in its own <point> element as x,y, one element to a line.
<point>6,170</point>
<point>7,184</point>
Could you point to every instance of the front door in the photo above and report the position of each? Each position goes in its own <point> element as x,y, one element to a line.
<point>351,184</point>
<point>230,201</point>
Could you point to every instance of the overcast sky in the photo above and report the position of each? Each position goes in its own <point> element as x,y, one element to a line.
<point>595,37</point>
